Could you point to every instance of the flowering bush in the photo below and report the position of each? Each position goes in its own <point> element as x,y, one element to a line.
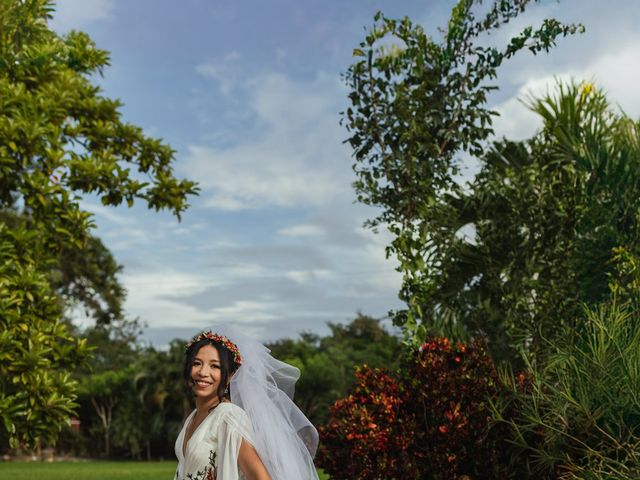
<point>430,420</point>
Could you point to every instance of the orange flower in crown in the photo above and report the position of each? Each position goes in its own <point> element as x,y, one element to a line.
<point>226,343</point>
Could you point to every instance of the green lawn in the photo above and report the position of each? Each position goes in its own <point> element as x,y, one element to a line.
<point>91,470</point>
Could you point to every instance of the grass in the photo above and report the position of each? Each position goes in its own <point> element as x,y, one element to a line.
<point>91,470</point>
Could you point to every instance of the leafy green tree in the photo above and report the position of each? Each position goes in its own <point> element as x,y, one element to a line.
<point>84,276</point>
<point>416,104</point>
<point>36,353</point>
<point>106,380</point>
<point>59,138</point>
<point>549,215</point>
<point>139,411</point>
<point>327,363</point>
<point>105,390</point>
<point>161,394</point>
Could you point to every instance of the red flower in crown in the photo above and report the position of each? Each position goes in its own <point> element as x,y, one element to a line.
<point>228,344</point>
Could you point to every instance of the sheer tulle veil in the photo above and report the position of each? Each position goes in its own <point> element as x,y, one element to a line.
<point>263,386</point>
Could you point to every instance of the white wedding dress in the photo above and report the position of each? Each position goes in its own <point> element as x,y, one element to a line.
<point>212,451</point>
<point>262,412</point>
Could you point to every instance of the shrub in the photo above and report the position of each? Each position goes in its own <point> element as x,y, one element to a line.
<point>430,420</point>
<point>366,436</point>
<point>452,387</point>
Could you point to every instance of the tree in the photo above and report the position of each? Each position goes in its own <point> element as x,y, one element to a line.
<point>83,276</point>
<point>87,277</point>
<point>104,390</point>
<point>549,215</point>
<point>36,350</point>
<point>579,416</point>
<point>106,380</point>
<point>163,397</point>
<point>132,399</point>
<point>416,104</point>
<point>327,363</point>
<point>59,138</point>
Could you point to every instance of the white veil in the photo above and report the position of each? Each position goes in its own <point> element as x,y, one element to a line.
<point>263,386</point>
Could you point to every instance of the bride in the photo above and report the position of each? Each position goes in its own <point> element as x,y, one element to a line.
<point>245,424</point>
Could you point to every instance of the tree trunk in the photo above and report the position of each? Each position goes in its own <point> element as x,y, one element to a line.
<point>104,411</point>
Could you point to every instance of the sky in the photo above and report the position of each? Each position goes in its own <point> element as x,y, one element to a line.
<point>248,93</point>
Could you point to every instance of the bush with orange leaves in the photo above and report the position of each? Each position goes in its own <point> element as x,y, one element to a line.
<point>430,420</point>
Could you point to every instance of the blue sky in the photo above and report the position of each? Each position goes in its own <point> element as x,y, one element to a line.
<point>248,93</point>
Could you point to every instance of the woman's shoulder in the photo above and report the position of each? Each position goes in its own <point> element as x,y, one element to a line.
<point>230,418</point>
<point>231,409</point>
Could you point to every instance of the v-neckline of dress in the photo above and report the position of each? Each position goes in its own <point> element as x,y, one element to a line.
<point>185,442</point>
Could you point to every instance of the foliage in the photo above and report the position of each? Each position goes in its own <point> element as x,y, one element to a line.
<point>36,391</point>
<point>415,105</point>
<point>546,218</point>
<point>326,363</point>
<point>367,436</point>
<point>625,281</point>
<point>83,276</point>
<point>159,393</point>
<point>60,136</point>
<point>580,419</point>
<point>104,391</point>
<point>429,420</point>
<point>88,277</point>
<point>132,400</point>
<point>451,389</point>
<point>59,139</point>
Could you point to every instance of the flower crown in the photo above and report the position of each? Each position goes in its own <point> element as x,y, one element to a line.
<point>226,343</point>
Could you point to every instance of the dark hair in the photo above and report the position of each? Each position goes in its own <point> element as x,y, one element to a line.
<point>227,365</point>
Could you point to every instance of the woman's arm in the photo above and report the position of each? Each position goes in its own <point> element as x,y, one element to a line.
<point>250,464</point>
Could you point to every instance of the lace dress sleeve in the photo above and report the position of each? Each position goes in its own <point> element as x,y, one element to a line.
<point>234,427</point>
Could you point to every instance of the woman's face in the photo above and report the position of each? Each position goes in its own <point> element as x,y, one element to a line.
<point>205,372</point>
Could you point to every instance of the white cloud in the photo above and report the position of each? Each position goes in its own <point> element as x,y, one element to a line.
<point>380,278</point>
<point>222,201</point>
<point>149,296</point>
<point>618,72</point>
<point>303,230</point>
<point>297,158</point>
<point>516,120</point>
<point>123,228</point>
<point>221,70</point>
<point>76,14</point>
<point>306,276</point>
<point>614,69</point>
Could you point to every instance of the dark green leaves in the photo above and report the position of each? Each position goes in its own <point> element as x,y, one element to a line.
<point>416,103</point>
<point>60,139</point>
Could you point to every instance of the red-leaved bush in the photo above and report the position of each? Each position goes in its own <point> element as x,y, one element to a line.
<point>366,436</point>
<point>430,420</point>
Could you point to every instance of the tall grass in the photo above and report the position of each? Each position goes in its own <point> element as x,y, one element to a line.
<point>579,417</point>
